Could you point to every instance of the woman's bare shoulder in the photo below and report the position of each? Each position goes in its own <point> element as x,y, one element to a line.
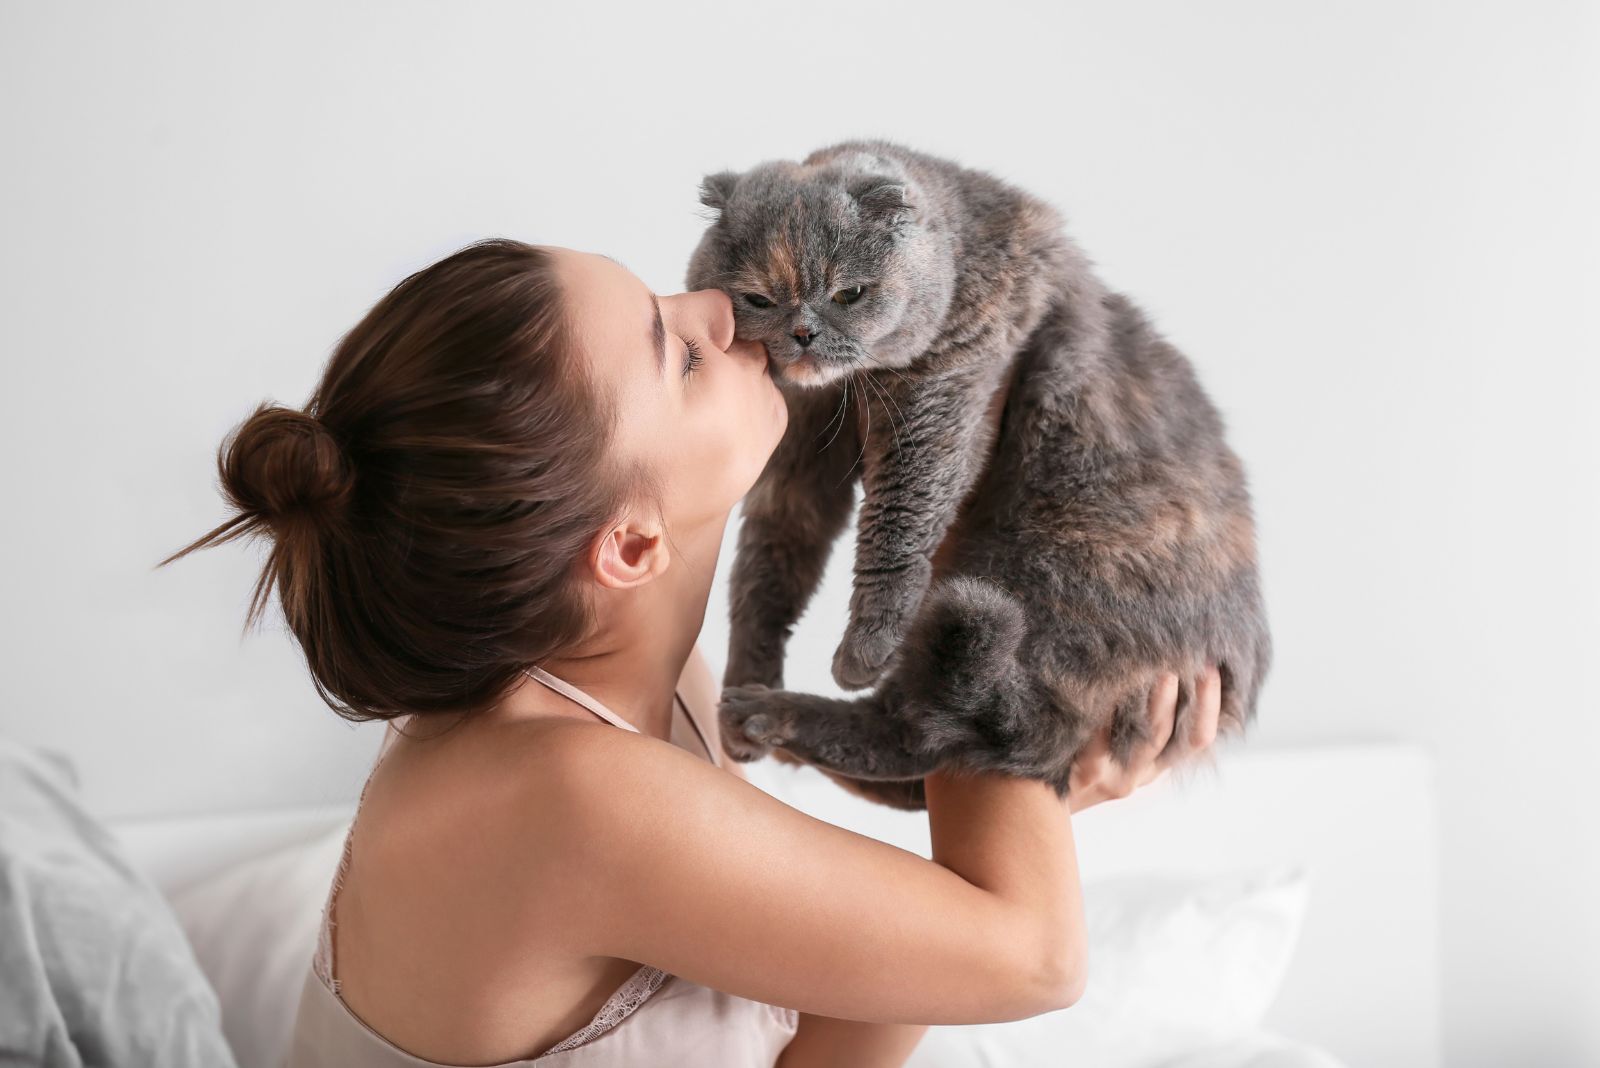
<point>526,785</point>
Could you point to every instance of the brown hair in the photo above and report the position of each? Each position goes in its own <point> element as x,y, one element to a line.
<point>430,504</point>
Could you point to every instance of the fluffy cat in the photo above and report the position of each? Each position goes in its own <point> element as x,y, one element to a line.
<point>1105,532</point>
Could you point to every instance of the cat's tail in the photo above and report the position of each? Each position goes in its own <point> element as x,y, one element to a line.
<point>960,672</point>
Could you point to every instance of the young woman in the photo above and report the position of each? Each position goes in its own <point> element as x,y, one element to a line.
<point>495,526</point>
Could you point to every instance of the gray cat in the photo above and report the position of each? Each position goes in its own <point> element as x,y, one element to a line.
<point>1105,532</point>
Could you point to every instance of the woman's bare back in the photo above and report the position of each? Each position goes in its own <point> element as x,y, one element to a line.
<point>437,947</point>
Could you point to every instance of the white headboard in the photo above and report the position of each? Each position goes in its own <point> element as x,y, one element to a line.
<point>1364,982</point>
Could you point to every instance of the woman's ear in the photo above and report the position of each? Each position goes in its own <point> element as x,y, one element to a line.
<point>629,555</point>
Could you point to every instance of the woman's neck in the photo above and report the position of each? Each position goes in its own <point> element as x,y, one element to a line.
<point>633,661</point>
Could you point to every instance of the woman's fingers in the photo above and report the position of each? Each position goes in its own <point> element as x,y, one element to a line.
<point>1208,707</point>
<point>1144,765</point>
<point>1089,769</point>
<point>1163,716</point>
<point>1096,777</point>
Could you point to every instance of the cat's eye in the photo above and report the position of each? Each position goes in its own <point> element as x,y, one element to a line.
<point>850,295</point>
<point>758,300</point>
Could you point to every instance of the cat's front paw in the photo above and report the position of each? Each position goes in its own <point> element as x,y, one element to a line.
<point>862,655</point>
<point>751,722</point>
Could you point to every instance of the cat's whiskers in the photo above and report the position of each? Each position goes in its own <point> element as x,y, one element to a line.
<point>892,370</point>
<point>837,414</point>
<point>884,393</point>
<point>864,437</point>
<point>843,399</point>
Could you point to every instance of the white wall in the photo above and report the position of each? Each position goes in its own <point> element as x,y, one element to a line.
<point>1372,226</point>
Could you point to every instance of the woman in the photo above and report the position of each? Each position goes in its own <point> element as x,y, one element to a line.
<point>496,525</point>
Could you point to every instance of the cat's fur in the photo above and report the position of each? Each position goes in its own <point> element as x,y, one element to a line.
<point>1109,539</point>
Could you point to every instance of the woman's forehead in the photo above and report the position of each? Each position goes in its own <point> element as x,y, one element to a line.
<point>612,311</point>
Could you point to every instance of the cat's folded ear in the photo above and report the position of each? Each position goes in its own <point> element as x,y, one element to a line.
<point>715,189</point>
<point>882,199</point>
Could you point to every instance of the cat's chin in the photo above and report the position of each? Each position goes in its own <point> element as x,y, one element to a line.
<point>802,372</point>
<point>808,372</point>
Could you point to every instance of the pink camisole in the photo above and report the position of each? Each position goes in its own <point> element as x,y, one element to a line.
<point>654,1018</point>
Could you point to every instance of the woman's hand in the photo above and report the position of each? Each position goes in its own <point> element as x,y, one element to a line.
<point>1095,777</point>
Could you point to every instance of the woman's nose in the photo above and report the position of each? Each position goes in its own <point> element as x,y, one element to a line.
<point>719,318</point>
<point>704,311</point>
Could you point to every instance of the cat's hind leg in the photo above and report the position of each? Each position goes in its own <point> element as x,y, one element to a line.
<point>906,794</point>
<point>909,795</point>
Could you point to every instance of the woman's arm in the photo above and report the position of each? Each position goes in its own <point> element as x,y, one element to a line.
<point>666,860</point>
<point>820,1041</point>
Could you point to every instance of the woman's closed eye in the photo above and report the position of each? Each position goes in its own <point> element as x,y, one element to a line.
<point>692,357</point>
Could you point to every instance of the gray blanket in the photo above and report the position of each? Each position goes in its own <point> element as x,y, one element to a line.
<point>94,967</point>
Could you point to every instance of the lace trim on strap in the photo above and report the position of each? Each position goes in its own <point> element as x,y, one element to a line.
<point>322,960</point>
<point>639,986</point>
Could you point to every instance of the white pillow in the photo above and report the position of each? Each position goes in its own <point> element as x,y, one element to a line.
<point>1175,966</point>
<point>254,929</point>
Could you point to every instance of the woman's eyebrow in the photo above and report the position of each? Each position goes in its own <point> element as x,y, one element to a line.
<point>658,329</point>
<point>658,337</point>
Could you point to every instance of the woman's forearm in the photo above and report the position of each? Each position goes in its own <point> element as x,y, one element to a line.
<point>825,1042</point>
<point>1013,837</point>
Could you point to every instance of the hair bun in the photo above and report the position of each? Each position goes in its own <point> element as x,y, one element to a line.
<point>282,462</point>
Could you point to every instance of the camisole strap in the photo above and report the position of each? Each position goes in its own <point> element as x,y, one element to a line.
<point>562,686</point>
<point>705,743</point>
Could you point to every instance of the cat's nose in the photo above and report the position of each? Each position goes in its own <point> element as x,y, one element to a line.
<point>802,334</point>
